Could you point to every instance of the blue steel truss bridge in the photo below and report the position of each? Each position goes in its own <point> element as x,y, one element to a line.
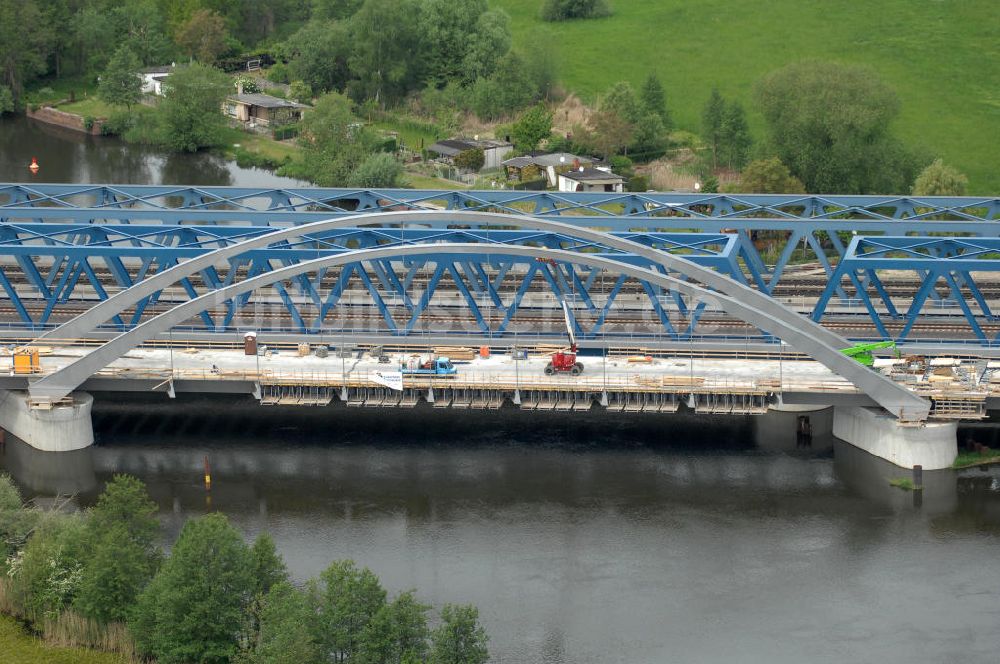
<point>915,270</point>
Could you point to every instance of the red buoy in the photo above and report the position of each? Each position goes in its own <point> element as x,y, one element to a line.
<point>34,165</point>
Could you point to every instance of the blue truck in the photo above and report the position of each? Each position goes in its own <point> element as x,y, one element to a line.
<point>440,366</point>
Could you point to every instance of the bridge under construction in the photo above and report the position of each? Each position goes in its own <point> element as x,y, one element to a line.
<point>716,303</point>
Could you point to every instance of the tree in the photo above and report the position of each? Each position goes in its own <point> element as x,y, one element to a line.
<point>203,36</point>
<point>286,634</point>
<point>378,170</point>
<point>534,126</point>
<point>267,566</point>
<point>397,633</point>
<point>621,100</point>
<point>712,116</point>
<point>190,107</point>
<point>769,176</point>
<point>829,123</point>
<point>940,180</point>
<point>93,32</point>
<point>734,136</point>
<point>45,576</point>
<point>649,140</point>
<point>193,608</point>
<point>318,55</point>
<point>349,599</point>
<point>140,25</point>
<point>25,39</point>
<point>121,83</point>
<point>461,40</point>
<point>562,10</point>
<point>611,132</point>
<point>120,550</point>
<point>654,100</point>
<point>470,160</point>
<point>488,44</point>
<point>508,90</point>
<point>333,141</point>
<point>460,639</point>
<point>300,91</point>
<point>383,47</point>
<point>115,570</point>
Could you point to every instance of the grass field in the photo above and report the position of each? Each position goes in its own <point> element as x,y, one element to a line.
<point>92,107</point>
<point>17,647</point>
<point>941,57</point>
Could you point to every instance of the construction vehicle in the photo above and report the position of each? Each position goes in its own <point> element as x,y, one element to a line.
<point>564,361</point>
<point>433,366</point>
<point>863,352</point>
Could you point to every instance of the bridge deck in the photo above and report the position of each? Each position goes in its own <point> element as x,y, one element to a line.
<point>660,384</point>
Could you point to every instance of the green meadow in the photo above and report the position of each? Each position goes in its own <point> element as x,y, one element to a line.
<point>941,56</point>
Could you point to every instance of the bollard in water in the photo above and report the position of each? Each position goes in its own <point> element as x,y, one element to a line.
<point>918,476</point>
<point>208,476</point>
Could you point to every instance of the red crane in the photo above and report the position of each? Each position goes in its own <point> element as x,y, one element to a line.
<point>565,361</point>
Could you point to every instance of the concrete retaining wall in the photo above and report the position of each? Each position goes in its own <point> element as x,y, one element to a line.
<point>60,429</point>
<point>72,121</point>
<point>933,445</point>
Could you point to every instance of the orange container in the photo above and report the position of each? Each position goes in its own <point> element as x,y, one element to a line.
<point>26,361</point>
<point>484,352</point>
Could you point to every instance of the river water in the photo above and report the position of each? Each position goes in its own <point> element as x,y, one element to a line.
<point>70,156</point>
<point>583,539</point>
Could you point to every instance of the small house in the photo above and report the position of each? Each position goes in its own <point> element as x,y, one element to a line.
<point>153,78</point>
<point>591,179</point>
<point>493,150</point>
<point>260,110</point>
<point>549,164</point>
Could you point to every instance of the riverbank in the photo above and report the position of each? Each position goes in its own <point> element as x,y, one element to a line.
<point>19,647</point>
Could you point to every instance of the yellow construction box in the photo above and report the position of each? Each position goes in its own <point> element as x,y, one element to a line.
<point>26,361</point>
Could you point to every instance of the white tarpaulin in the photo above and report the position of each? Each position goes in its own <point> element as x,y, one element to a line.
<point>391,379</point>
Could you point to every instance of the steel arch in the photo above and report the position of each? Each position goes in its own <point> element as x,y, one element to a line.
<point>893,397</point>
<point>115,305</point>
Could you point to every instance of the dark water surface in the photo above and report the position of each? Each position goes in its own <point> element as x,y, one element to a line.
<point>586,539</point>
<point>71,156</point>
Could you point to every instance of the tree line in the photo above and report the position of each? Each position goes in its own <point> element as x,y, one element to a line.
<point>100,579</point>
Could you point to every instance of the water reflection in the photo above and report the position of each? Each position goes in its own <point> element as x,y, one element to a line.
<point>587,538</point>
<point>75,157</point>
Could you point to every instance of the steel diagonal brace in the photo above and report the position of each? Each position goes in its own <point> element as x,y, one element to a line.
<point>896,399</point>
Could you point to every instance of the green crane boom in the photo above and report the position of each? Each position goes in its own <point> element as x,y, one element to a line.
<point>863,352</point>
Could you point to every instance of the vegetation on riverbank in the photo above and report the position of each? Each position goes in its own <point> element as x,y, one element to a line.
<point>19,647</point>
<point>99,579</point>
<point>970,458</point>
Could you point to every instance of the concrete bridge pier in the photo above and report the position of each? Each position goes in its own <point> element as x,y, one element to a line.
<point>932,445</point>
<point>63,427</point>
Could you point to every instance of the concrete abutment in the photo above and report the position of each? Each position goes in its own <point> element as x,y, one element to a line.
<point>932,445</point>
<point>62,428</point>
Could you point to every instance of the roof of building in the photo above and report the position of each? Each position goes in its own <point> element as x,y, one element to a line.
<point>592,175</point>
<point>164,69</point>
<point>453,146</point>
<point>546,159</point>
<point>266,101</point>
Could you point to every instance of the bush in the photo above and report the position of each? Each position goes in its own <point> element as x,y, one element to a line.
<point>563,10</point>
<point>300,91</point>
<point>278,73</point>
<point>621,165</point>
<point>638,183</point>
<point>88,122</point>
<point>470,160</point>
<point>118,123</point>
<point>284,132</point>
